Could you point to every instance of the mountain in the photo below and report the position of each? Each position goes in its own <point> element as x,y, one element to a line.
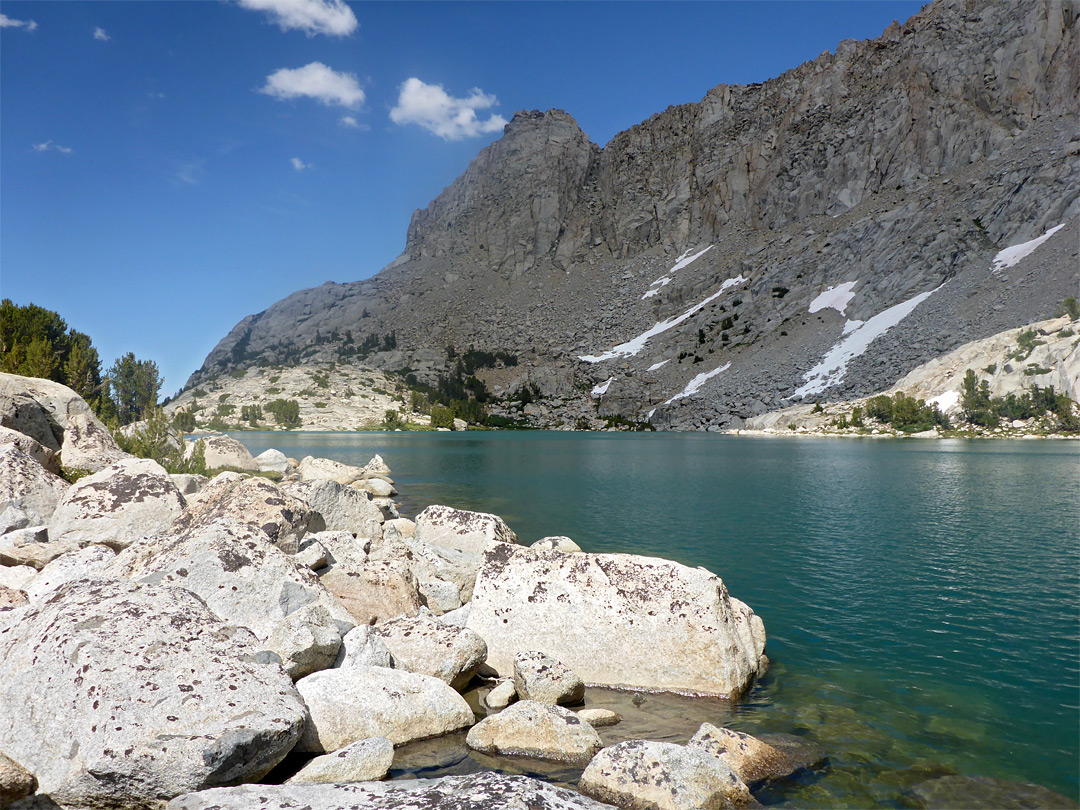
<point>813,237</point>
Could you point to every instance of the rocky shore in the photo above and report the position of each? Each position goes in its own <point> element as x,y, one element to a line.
<point>184,641</point>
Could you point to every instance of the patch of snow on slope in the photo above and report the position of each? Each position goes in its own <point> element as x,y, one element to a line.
<point>833,366</point>
<point>1011,255</point>
<point>947,401</point>
<point>655,366</point>
<point>837,298</point>
<point>632,347</point>
<point>601,389</point>
<point>695,384</point>
<point>680,263</point>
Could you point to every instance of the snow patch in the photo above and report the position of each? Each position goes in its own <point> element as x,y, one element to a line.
<point>632,347</point>
<point>601,389</point>
<point>648,416</point>
<point>837,298</point>
<point>858,337</point>
<point>655,366</point>
<point>1011,255</point>
<point>695,384</point>
<point>663,282</point>
<point>680,263</point>
<point>947,401</point>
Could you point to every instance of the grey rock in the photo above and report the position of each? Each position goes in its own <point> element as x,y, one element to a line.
<point>556,543</point>
<point>352,704</point>
<point>361,761</point>
<point>644,775</point>
<point>531,729</point>
<point>324,469</point>
<point>423,644</point>
<point>617,620</point>
<point>13,518</point>
<point>599,718</point>
<point>502,695</point>
<point>134,675</point>
<point>307,640</point>
<point>15,781</point>
<point>46,457</point>
<point>27,486</point>
<point>376,487</point>
<point>445,575</point>
<point>478,791</point>
<point>363,647</point>
<point>257,502</point>
<point>470,532</point>
<point>458,617</point>
<point>343,548</point>
<point>984,793</point>
<point>81,564</point>
<point>312,554</point>
<point>31,547</point>
<point>541,678</point>
<point>343,508</point>
<point>132,498</point>
<point>756,759</point>
<point>377,466</point>
<point>188,483</point>
<point>235,569</point>
<point>376,592</point>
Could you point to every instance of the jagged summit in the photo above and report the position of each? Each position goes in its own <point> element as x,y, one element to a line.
<point>895,166</point>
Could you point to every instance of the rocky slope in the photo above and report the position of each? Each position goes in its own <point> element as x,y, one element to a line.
<point>676,274</point>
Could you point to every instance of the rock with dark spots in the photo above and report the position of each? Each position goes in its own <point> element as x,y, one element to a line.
<point>81,564</point>
<point>422,644</point>
<point>342,508</point>
<point>88,445</point>
<point>756,759</point>
<point>11,598</point>
<point>556,543</point>
<point>362,647</point>
<point>189,483</point>
<point>27,486</point>
<point>984,793</point>
<point>478,791</point>
<point>354,703</point>
<point>15,781</point>
<point>133,498</point>
<point>307,640</point>
<point>225,453</point>
<point>45,456</point>
<point>471,532</point>
<point>376,592</point>
<point>116,694</point>
<point>12,518</point>
<point>257,502</point>
<point>599,718</point>
<point>531,729</point>
<point>644,775</point>
<point>362,761</point>
<point>541,678</point>
<point>235,569</point>
<point>376,466</point>
<point>343,549</point>
<point>617,620</point>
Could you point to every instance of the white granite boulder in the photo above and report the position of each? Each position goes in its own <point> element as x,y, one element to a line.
<point>478,791</point>
<point>361,761</point>
<point>422,644</point>
<point>501,695</point>
<point>114,507</point>
<point>376,487</point>
<point>31,547</point>
<point>307,640</point>
<point>471,532</point>
<point>235,569</point>
<point>126,695</point>
<point>343,548</point>
<point>645,775</point>
<point>46,457</point>
<point>352,704</point>
<point>324,469</point>
<point>541,678</point>
<point>531,729</point>
<point>81,564</point>
<point>617,620</point>
<point>225,453</point>
<point>27,486</point>
<point>272,461</point>
<point>557,543</point>
<point>257,502</point>
<point>376,466</point>
<point>189,483</point>
<point>362,647</point>
<point>343,508</point>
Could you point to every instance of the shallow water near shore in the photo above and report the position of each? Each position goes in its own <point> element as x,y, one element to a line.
<point>921,598</point>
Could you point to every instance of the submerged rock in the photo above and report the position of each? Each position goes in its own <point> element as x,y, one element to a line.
<point>598,718</point>
<point>541,730</point>
<point>617,620</point>
<point>118,694</point>
<point>755,759</point>
<point>984,793</point>
<point>478,791</point>
<point>643,775</point>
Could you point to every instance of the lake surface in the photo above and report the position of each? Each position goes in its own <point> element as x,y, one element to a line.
<point>921,598</point>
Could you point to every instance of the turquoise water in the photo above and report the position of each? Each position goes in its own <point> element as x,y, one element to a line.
<point>921,598</point>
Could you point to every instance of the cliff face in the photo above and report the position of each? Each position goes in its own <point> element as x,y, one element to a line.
<point>894,166</point>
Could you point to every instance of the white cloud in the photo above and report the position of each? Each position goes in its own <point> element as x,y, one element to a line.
<point>315,81</point>
<point>100,35</point>
<point>299,165</point>
<point>49,146</point>
<point>437,111</point>
<point>10,22</point>
<point>349,121</point>
<point>330,17</point>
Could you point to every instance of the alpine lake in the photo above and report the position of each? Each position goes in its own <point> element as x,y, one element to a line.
<point>921,597</point>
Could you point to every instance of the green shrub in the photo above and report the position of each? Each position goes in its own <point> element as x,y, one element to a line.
<point>184,421</point>
<point>1070,307</point>
<point>285,411</point>
<point>392,420</point>
<point>442,416</point>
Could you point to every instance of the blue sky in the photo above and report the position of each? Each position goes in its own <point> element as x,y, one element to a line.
<point>167,168</point>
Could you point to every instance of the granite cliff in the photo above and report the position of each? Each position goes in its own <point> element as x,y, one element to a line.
<point>813,237</point>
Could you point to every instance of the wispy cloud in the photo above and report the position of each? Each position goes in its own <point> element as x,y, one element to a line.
<point>49,146</point>
<point>100,35</point>
<point>10,22</point>
<point>349,121</point>
<point>315,81</point>
<point>191,173</point>
<point>299,165</point>
<point>330,17</point>
<point>155,95</point>
<point>452,119</point>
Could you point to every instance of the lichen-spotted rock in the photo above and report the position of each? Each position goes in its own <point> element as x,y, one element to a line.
<point>617,620</point>
<point>116,694</point>
<point>478,791</point>
<point>425,645</point>
<point>541,730</point>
